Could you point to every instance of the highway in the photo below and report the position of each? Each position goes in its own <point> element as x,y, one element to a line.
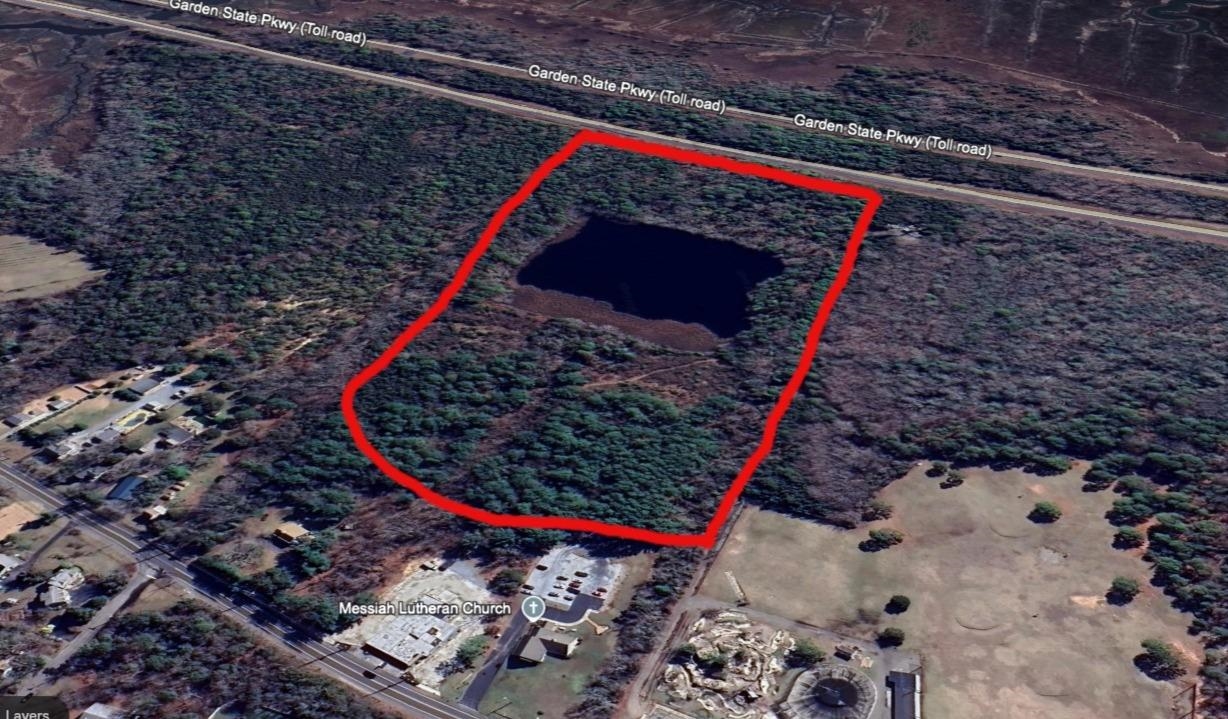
<point>1205,232</point>
<point>1001,156</point>
<point>330,660</point>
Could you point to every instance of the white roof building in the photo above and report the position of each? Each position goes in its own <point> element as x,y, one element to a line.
<point>60,586</point>
<point>101,711</point>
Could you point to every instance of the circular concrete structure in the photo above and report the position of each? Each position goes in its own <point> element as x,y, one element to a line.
<point>830,691</point>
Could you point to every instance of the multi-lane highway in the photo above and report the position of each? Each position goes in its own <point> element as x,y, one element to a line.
<point>1188,229</point>
<point>999,155</point>
<point>341,665</point>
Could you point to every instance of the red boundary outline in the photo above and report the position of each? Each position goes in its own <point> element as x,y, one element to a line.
<point>591,137</point>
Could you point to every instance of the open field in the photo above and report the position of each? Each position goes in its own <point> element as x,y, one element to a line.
<point>1008,615</point>
<point>73,549</point>
<point>14,516</point>
<point>86,414</point>
<point>30,269</point>
<point>251,551</point>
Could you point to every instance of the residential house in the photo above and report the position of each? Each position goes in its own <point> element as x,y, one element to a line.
<point>60,450</point>
<point>59,588</point>
<point>124,488</point>
<point>143,386</point>
<point>174,436</point>
<point>108,435</point>
<point>16,420</point>
<point>8,563</point>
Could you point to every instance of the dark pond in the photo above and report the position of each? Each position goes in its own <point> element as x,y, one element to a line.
<point>655,273</point>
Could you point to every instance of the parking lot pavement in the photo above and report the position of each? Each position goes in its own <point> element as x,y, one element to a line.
<point>567,573</point>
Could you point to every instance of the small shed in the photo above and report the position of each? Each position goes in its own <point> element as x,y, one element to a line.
<point>905,697</point>
<point>290,532</point>
<point>152,513</point>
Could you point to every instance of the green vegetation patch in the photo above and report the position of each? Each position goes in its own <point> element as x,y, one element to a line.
<point>173,663</point>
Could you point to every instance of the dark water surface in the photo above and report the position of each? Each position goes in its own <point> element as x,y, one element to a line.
<point>655,273</point>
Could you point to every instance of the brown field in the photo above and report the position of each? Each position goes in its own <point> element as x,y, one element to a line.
<point>30,269</point>
<point>14,516</point>
<point>250,551</point>
<point>73,548</point>
<point>46,64</point>
<point>689,337</point>
<point>1009,616</point>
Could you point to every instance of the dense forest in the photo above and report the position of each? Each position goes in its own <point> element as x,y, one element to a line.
<point>507,420</point>
<point>175,664</point>
<point>224,221</point>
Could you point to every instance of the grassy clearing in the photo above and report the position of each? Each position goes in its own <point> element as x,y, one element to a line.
<point>30,269</point>
<point>74,549</point>
<point>86,414</point>
<point>1005,612</point>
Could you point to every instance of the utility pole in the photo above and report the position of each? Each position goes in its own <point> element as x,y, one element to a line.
<point>1192,690</point>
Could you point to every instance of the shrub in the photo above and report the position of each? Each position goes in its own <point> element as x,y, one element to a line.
<point>876,509</point>
<point>685,653</point>
<point>1128,538</point>
<point>1045,512</point>
<point>506,582</point>
<point>470,651</point>
<point>713,664</point>
<point>891,637</point>
<point>1159,660</point>
<point>805,654</point>
<point>886,537</point>
<point>898,604</point>
<point>1122,590</point>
